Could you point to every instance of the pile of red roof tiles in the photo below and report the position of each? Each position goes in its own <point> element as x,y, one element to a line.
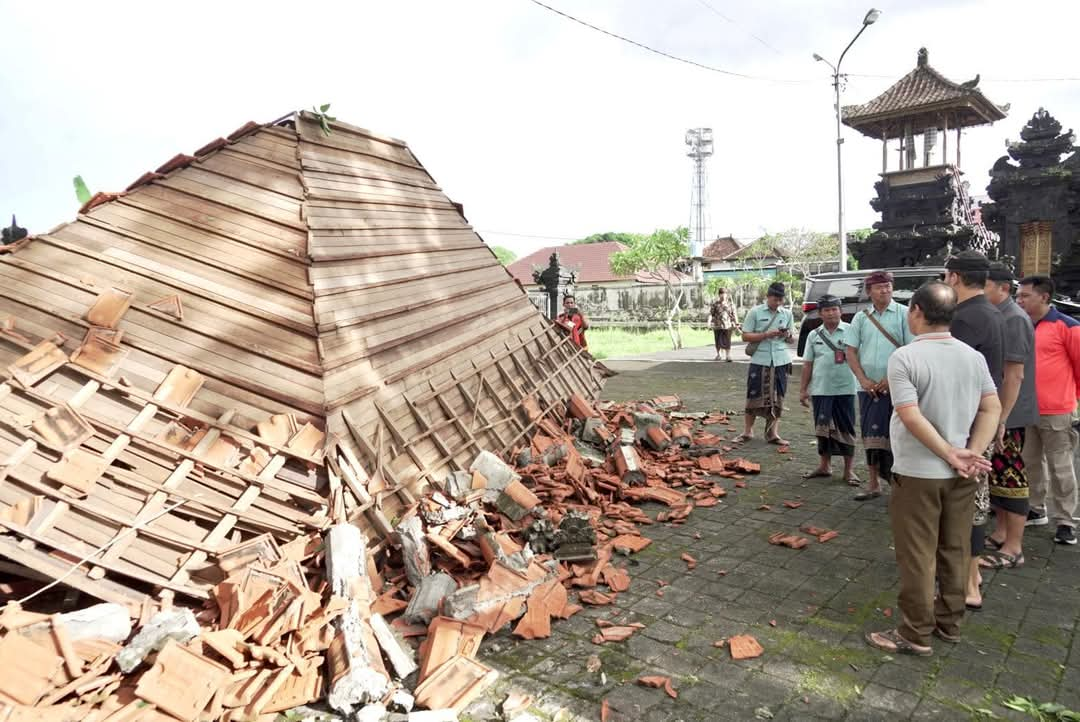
<point>502,545</point>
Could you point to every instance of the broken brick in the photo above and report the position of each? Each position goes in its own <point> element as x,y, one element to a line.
<point>744,646</point>
<point>595,598</point>
<point>659,682</point>
<point>617,579</point>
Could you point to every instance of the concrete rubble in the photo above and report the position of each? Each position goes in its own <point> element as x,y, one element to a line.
<point>391,629</point>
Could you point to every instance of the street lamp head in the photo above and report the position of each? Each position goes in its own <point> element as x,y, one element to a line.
<point>871,17</point>
<point>818,57</point>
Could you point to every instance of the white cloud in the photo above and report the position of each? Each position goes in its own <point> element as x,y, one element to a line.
<point>537,125</point>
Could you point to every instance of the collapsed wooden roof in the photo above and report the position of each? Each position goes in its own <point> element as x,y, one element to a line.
<point>285,326</point>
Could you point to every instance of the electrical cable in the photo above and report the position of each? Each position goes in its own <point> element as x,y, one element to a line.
<point>662,53</point>
<point>725,17</point>
<point>747,76</point>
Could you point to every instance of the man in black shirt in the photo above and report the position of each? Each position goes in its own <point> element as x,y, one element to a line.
<point>980,325</point>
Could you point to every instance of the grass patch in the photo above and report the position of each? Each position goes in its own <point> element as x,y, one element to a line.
<point>612,342</point>
<point>1051,636</point>
<point>989,636</point>
<point>841,687</point>
<point>831,625</point>
<point>822,656</point>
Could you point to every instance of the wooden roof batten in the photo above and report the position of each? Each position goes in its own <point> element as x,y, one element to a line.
<point>921,100</point>
<point>283,329</point>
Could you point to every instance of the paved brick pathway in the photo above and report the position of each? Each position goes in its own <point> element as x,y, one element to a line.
<point>821,599</point>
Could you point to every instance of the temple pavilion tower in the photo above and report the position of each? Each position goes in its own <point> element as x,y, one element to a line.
<point>926,212</point>
<point>1036,202</point>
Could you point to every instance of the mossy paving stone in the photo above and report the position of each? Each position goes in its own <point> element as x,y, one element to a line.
<point>895,676</point>
<point>899,703</point>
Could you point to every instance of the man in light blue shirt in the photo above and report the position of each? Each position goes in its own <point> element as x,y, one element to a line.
<point>827,381</point>
<point>874,335</point>
<point>768,325</point>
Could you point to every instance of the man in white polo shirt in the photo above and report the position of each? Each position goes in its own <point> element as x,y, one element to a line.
<point>945,414</point>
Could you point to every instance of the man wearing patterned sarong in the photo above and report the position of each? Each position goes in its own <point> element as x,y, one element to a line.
<point>874,335</point>
<point>829,385</point>
<point>1009,490</point>
<point>769,326</point>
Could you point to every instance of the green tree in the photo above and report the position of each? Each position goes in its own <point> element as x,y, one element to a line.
<point>609,236</point>
<point>505,255</point>
<point>804,250</point>
<point>658,255</point>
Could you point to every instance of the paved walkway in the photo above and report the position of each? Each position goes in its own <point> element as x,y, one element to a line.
<point>808,608</point>
<point>696,353</point>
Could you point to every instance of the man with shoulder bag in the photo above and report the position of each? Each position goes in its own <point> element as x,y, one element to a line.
<point>767,330</point>
<point>874,335</point>
<point>829,385</point>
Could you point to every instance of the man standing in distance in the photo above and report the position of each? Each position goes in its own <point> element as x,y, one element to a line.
<point>979,324</point>
<point>873,336</point>
<point>722,320</point>
<point>1019,409</point>
<point>1048,445</point>
<point>573,320</point>
<point>946,415</point>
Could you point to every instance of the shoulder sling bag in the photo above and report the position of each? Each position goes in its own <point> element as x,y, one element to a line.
<point>751,348</point>
<point>838,354</point>
<point>881,328</point>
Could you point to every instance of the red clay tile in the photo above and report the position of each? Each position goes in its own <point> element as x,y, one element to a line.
<point>744,646</point>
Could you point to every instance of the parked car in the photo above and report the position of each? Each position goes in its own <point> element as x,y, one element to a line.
<point>848,285</point>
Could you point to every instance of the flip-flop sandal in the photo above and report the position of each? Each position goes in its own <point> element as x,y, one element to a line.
<point>853,480</point>
<point>993,544</point>
<point>867,495</point>
<point>817,474</point>
<point>973,607</point>
<point>740,439</point>
<point>893,643</point>
<point>779,441</point>
<point>1000,560</point>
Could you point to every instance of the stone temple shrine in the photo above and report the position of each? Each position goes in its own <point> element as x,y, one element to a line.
<point>1036,203</point>
<point>926,211</point>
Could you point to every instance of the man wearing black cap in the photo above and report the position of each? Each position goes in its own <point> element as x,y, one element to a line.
<point>979,324</point>
<point>1009,490</point>
<point>767,331</point>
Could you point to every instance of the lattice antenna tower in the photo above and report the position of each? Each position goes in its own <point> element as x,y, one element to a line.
<point>700,147</point>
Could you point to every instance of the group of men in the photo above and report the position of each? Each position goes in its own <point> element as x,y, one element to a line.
<point>966,400</point>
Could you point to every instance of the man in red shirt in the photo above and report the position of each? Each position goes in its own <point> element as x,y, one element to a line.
<point>573,320</point>
<point>1048,446</point>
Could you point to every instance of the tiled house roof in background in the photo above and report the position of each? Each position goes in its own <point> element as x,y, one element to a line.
<point>591,261</point>
<point>721,248</point>
<point>923,95</point>
<point>728,249</point>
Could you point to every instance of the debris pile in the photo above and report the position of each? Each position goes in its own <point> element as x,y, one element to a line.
<point>383,628</point>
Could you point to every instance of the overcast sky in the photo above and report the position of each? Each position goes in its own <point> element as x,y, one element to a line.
<point>545,130</point>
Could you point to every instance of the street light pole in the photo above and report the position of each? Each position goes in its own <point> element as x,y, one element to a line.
<point>870,19</point>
